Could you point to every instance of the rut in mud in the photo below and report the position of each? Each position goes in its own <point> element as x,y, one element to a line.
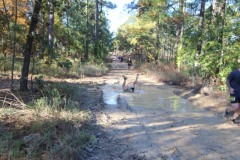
<point>154,123</point>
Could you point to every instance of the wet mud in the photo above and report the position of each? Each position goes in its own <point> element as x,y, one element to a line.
<point>155,123</point>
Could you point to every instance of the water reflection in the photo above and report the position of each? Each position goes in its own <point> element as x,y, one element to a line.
<point>148,97</point>
<point>110,93</point>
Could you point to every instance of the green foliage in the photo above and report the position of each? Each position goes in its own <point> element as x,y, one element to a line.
<point>65,64</point>
<point>69,36</point>
<point>16,149</point>
<point>6,62</point>
<point>39,82</point>
<point>179,57</point>
<point>4,65</point>
<point>6,139</point>
<point>219,36</point>
<point>56,98</point>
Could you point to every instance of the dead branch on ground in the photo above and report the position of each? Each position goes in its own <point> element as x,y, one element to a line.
<point>10,99</point>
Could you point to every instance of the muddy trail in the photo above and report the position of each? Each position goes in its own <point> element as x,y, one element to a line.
<point>154,123</point>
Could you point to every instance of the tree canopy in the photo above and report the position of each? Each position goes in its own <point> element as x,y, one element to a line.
<point>54,31</point>
<point>200,37</point>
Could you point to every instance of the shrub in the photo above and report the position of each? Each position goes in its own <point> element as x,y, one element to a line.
<point>94,70</point>
<point>39,82</point>
<point>165,73</point>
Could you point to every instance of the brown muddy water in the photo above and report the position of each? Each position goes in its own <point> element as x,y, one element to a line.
<point>148,96</point>
<point>162,125</point>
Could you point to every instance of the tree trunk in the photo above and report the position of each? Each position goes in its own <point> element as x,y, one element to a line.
<point>50,27</point>
<point>215,10</point>
<point>180,23</point>
<point>67,39</point>
<point>43,42</point>
<point>220,39</point>
<point>200,27</point>
<point>14,44</point>
<point>9,35</point>
<point>4,56</point>
<point>218,22</point>
<point>157,39</point>
<point>29,43</point>
<point>101,32</point>
<point>179,33</point>
<point>96,30</point>
<point>86,36</point>
<point>8,23</point>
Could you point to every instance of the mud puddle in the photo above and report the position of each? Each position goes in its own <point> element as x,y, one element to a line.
<point>150,96</point>
<point>162,125</point>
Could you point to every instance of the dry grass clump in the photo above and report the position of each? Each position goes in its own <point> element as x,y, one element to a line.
<point>94,70</point>
<point>165,73</point>
<point>76,70</point>
<point>31,134</point>
<point>69,68</point>
<point>51,127</point>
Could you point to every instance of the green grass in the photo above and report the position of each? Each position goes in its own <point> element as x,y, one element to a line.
<point>56,125</point>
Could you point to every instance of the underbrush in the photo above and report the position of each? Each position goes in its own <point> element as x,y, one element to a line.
<point>164,73</point>
<point>56,125</point>
<point>76,70</point>
<point>60,69</point>
<point>167,73</point>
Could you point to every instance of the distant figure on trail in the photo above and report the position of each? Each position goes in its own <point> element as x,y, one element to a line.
<point>130,87</point>
<point>233,84</point>
<point>129,62</point>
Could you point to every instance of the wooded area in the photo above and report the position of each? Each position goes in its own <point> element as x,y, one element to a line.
<point>200,37</point>
<point>59,54</point>
<point>60,33</point>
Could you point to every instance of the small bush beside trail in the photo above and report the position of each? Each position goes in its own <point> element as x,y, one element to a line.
<point>168,74</point>
<point>165,73</point>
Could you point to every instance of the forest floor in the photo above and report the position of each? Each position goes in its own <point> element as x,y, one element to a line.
<point>125,131</point>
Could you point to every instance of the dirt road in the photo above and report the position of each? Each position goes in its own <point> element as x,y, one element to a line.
<point>154,123</point>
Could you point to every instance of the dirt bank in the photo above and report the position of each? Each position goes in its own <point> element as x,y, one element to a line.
<point>214,101</point>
